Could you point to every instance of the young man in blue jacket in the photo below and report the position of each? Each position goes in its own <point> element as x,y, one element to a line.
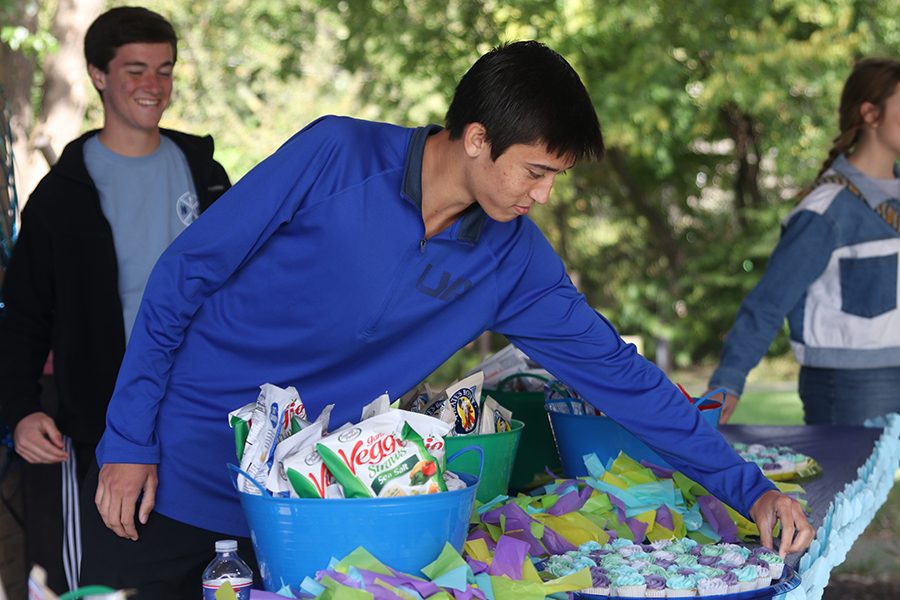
<point>91,232</point>
<point>357,259</point>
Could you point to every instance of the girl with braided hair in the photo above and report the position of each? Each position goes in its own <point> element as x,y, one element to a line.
<point>834,272</point>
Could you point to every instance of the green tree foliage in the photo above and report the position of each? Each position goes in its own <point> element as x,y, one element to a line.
<point>253,73</point>
<point>716,113</point>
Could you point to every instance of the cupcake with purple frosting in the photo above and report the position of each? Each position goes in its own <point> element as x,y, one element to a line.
<point>663,555</point>
<point>711,586</point>
<point>730,580</point>
<point>708,561</point>
<point>600,582</point>
<point>656,586</point>
<point>732,558</point>
<point>660,544</point>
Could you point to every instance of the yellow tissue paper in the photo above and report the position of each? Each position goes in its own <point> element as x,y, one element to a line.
<point>225,592</point>
<point>362,559</point>
<point>336,591</point>
<point>614,480</point>
<point>478,550</point>
<point>574,527</point>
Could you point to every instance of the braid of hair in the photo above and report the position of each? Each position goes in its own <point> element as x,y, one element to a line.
<point>842,144</point>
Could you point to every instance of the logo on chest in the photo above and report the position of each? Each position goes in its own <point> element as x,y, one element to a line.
<point>188,208</point>
<point>443,286</point>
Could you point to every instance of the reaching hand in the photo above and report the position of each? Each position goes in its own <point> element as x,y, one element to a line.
<point>118,488</point>
<point>729,403</point>
<point>796,532</point>
<point>728,406</point>
<point>38,440</point>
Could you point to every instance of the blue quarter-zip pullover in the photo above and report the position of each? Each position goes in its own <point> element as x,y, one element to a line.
<point>314,271</point>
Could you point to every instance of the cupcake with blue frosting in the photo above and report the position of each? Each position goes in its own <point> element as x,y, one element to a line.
<point>620,543</point>
<point>712,550</point>
<point>680,586</point>
<point>776,564</point>
<point>763,576</point>
<point>747,577</point>
<point>651,569</point>
<point>628,584</point>
<point>590,546</point>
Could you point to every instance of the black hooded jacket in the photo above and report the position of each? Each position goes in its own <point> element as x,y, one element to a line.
<point>61,292</point>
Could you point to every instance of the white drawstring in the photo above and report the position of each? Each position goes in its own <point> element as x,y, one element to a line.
<point>71,513</point>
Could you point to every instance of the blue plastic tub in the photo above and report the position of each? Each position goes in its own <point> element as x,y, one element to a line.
<point>579,435</point>
<point>295,537</point>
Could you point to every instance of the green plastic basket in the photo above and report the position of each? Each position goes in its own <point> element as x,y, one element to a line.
<point>499,453</point>
<point>537,451</point>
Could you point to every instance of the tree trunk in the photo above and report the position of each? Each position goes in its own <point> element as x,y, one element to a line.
<point>742,129</point>
<point>16,77</point>
<point>63,97</point>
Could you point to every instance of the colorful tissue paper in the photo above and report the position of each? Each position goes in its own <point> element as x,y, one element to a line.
<point>622,498</point>
<point>504,573</point>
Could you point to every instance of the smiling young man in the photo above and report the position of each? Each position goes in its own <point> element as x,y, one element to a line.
<point>371,254</point>
<point>91,232</point>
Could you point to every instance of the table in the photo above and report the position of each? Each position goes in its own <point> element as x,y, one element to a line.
<point>858,466</point>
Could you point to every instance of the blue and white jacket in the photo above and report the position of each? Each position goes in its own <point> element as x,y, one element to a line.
<point>834,274</point>
<point>313,271</point>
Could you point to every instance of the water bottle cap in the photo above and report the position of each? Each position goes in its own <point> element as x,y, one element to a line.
<point>226,546</point>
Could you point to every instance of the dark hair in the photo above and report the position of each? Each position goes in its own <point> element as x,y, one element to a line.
<point>872,80</point>
<point>526,93</point>
<point>125,25</point>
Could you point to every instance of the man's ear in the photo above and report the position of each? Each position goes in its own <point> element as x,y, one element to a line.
<point>475,139</point>
<point>870,113</point>
<point>98,77</point>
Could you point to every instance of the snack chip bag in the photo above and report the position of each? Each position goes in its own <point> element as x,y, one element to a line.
<point>418,398</point>
<point>463,400</point>
<point>300,443</point>
<point>430,429</point>
<point>453,482</point>
<point>266,423</point>
<point>294,418</point>
<point>494,418</point>
<point>239,421</point>
<point>501,364</point>
<point>384,456</point>
<point>378,406</point>
<point>306,473</point>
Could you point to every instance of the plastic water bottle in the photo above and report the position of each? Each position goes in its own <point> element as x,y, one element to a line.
<point>227,566</point>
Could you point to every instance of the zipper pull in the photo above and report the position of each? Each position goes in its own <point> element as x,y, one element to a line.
<point>422,243</point>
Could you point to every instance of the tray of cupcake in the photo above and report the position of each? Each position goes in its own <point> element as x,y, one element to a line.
<point>675,568</point>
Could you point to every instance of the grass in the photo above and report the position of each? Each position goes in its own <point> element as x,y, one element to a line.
<point>768,407</point>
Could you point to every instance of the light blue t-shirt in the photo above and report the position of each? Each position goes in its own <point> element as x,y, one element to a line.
<point>148,201</point>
